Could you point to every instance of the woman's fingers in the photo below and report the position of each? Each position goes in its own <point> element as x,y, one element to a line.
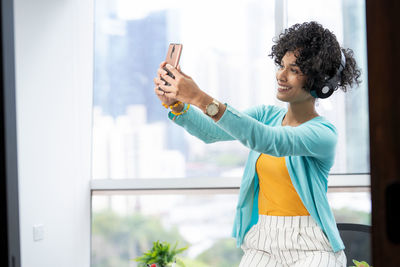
<point>167,89</point>
<point>167,97</point>
<point>158,81</point>
<point>174,71</point>
<point>161,72</point>
<point>168,78</point>
<point>162,87</point>
<point>158,91</point>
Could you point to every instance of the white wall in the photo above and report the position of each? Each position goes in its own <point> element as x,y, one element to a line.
<point>54,47</point>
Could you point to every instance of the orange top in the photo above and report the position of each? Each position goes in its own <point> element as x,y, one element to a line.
<point>277,196</point>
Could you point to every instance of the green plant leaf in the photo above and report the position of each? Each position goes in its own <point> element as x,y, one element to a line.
<point>365,264</point>
<point>161,253</point>
<point>360,264</point>
<point>180,263</point>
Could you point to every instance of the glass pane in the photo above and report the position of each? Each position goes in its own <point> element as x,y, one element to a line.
<point>125,226</point>
<point>347,111</point>
<point>130,41</point>
<point>225,50</point>
<point>351,206</point>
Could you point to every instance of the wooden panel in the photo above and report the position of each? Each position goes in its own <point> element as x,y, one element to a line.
<point>383,44</point>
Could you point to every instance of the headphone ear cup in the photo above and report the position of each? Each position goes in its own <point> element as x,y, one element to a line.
<point>323,92</point>
<point>326,91</point>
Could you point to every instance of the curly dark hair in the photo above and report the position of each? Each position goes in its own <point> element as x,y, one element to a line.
<point>318,55</point>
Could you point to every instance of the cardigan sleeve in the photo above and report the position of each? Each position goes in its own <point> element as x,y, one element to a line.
<point>203,127</point>
<point>316,138</point>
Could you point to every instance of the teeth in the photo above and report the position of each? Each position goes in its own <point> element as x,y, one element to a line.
<point>283,87</point>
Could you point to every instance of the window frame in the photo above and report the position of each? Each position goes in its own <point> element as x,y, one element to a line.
<point>335,181</point>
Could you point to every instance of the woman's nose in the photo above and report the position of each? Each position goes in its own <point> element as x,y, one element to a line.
<point>281,75</point>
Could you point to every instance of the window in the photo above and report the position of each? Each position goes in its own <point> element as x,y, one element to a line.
<point>141,159</point>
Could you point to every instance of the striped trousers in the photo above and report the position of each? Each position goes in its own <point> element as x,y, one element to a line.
<point>288,241</point>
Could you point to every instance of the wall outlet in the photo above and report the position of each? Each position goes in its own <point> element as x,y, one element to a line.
<point>38,232</point>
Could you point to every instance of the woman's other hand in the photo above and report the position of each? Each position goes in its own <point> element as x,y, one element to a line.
<point>181,88</point>
<point>166,99</point>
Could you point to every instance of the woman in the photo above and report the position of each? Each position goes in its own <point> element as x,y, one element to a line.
<point>283,217</point>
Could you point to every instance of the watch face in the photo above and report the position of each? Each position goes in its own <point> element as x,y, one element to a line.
<point>212,109</point>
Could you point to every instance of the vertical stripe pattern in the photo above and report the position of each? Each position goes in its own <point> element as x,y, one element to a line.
<point>288,241</point>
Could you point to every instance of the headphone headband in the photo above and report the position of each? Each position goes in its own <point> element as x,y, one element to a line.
<point>342,63</point>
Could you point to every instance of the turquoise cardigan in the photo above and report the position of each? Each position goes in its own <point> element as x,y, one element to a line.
<point>309,151</point>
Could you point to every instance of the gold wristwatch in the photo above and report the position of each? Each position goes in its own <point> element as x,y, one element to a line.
<point>212,109</point>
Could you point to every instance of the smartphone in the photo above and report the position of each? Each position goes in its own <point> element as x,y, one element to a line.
<point>173,56</point>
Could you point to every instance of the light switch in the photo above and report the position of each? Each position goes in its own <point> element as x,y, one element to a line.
<point>38,232</point>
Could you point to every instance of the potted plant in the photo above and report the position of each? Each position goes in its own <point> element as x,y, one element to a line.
<point>360,264</point>
<point>161,255</point>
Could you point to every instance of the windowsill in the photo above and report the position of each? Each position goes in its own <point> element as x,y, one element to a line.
<point>336,181</point>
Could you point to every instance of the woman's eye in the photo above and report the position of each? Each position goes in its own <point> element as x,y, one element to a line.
<point>294,71</point>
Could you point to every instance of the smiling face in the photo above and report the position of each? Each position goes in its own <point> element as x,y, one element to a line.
<point>291,81</point>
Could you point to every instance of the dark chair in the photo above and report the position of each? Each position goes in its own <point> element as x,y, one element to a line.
<point>357,240</point>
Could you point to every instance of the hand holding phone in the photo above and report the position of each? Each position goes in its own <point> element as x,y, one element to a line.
<point>173,56</point>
